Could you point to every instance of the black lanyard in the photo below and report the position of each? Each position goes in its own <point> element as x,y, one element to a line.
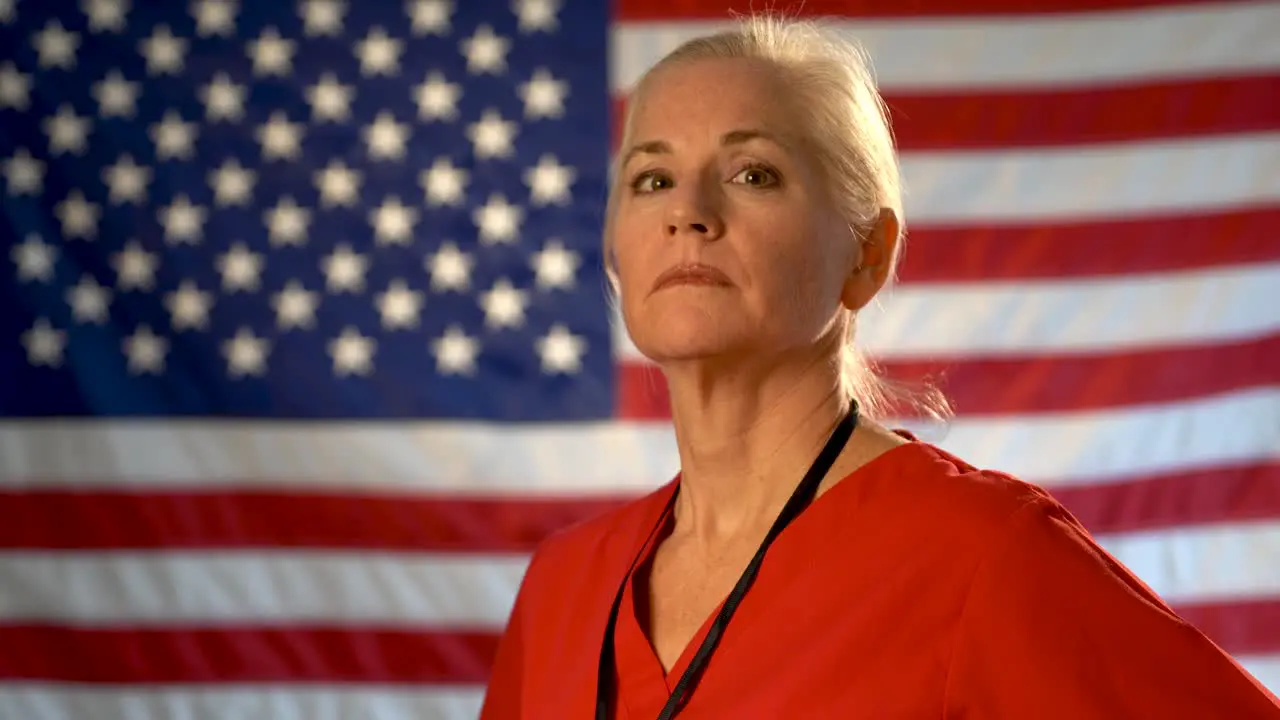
<point>800,499</point>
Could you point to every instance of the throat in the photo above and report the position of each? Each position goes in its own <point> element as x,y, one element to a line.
<point>680,590</point>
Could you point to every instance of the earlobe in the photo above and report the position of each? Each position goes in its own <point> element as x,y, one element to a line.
<point>873,261</point>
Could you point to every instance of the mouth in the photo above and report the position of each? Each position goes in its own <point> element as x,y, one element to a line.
<point>692,274</point>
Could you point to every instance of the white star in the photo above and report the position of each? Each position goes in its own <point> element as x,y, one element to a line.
<point>287,223</point>
<point>126,181</point>
<point>280,138</point>
<point>35,259</point>
<point>497,220</point>
<point>430,17</point>
<point>561,351</point>
<point>504,305</point>
<point>246,354</point>
<point>55,47</point>
<point>44,343</point>
<point>223,99</point>
<point>135,267</point>
<point>399,306</point>
<point>89,301</point>
<point>106,15</point>
<point>78,216</point>
<point>438,98</point>
<point>173,137</point>
<point>146,351</point>
<point>116,96</point>
<point>68,132</point>
<point>443,183</point>
<point>543,95</point>
<point>322,17</point>
<point>24,173</point>
<point>555,266</point>
<point>379,54</point>
<point>352,353</point>
<point>338,184</point>
<point>386,138</point>
<point>455,352</point>
<point>295,306</point>
<point>8,11</point>
<point>189,306</point>
<point>492,136</point>
<point>214,17</point>
<point>241,269</point>
<point>549,181</point>
<point>536,14</point>
<point>344,270</point>
<point>393,222</point>
<point>450,268</point>
<point>183,222</point>
<point>15,88</point>
<point>232,184</point>
<point>164,52</point>
<point>485,51</point>
<point>271,54</point>
<point>330,99</point>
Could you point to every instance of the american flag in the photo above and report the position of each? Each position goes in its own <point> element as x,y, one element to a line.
<point>305,342</point>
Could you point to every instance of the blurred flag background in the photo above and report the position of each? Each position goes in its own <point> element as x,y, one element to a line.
<point>304,342</point>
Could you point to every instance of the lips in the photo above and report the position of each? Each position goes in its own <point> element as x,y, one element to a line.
<point>692,274</point>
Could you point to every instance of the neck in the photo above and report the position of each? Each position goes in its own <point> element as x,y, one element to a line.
<point>746,437</point>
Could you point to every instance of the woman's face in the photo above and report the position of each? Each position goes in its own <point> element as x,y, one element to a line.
<point>719,186</point>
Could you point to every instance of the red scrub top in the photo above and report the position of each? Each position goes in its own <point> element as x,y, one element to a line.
<point>917,587</point>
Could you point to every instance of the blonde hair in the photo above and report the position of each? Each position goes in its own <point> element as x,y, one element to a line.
<point>849,125</point>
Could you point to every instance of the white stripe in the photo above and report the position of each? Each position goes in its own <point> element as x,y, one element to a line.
<point>50,701</point>
<point>1266,668</point>
<point>1059,449</point>
<point>1091,181</point>
<point>946,320</point>
<point>1048,50</point>
<point>1203,564</point>
<point>268,586</point>
<point>1240,561</point>
<point>364,457</point>
<point>1049,448</point>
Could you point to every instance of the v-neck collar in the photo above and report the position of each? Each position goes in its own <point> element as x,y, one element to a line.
<point>643,683</point>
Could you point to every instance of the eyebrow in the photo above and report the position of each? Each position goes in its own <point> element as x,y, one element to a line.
<point>733,137</point>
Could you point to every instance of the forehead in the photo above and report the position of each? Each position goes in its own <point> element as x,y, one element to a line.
<point>712,95</point>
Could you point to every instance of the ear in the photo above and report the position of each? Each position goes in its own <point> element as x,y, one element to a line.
<point>877,246</point>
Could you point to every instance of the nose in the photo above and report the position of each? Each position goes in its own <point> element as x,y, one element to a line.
<point>694,212</point>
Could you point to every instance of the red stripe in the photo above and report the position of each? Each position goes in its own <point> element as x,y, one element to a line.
<point>142,520</point>
<point>1098,248</point>
<point>720,9</point>
<point>1241,628</point>
<point>200,655</point>
<point>304,654</point>
<point>68,520</point>
<point>1050,117</point>
<point>1041,383</point>
<point>1057,117</point>
<point>1193,497</point>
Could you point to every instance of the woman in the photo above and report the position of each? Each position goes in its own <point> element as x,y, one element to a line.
<point>755,210</point>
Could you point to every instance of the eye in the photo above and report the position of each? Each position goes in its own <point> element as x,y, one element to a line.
<point>757,175</point>
<point>650,181</point>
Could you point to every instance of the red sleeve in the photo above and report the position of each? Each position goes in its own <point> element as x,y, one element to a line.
<point>1054,627</point>
<point>505,689</point>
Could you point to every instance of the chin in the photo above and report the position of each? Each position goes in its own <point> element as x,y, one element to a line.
<point>685,335</point>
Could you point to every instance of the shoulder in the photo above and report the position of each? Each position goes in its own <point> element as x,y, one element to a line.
<point>945,499</point>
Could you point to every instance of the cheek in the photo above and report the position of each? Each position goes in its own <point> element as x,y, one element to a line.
<point>632,263</point>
